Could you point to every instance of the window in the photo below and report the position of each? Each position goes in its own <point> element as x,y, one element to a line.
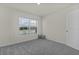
<point>27,25</point>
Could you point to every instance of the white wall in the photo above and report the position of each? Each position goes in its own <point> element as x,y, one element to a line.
<point>5,25</point>
<point>54,26</point>
<point>9,33</point>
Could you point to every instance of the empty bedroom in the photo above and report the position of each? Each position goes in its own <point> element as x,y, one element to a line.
<point>39,29</point>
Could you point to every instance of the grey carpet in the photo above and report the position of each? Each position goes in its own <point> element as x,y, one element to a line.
<point>38,47</point>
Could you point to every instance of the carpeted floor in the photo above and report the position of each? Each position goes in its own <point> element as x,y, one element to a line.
<point>38,47</point>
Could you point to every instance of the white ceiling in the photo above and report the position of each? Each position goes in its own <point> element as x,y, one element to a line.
<point>41,10</point>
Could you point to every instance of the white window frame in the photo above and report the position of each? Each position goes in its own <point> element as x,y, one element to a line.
<point>24,32</point>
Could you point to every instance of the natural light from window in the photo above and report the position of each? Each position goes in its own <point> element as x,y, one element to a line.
<point>27,25</point>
